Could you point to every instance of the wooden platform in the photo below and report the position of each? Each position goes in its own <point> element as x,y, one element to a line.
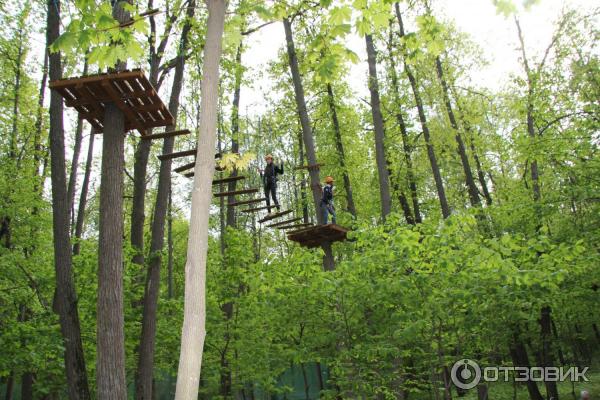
<point>130,91</point>
<point>314,236</point>
<point>273,216</point>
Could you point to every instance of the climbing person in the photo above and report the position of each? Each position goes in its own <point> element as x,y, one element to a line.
<point>327,201</point>
<point>269,178</point>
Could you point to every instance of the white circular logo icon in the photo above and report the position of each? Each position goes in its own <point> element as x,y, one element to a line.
<point>465,374</point>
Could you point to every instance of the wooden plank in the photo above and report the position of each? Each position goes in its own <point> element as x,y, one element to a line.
<point>286,222</point>
<point>273,216</point>
<point>134,73</point>
<point>133,119</point>
<point>294,226</point>
<point>167,134</point>
<point>148,107</point>
<point>105,98</point>
<point>228,179</point>
<point>249,210</point>
<point>185,167</point>
<point>178,154</point>
<point>243,202</point>
<point>235,192</point>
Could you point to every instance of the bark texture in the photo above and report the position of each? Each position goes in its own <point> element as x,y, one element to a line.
<point>194,320</point>
<point>110,342</point>
<point>382,165</point>
<point>435,169</point>
<point>66,298</point>
<point>83,196</point>
<point>145,376</point>
<point>307,137</point>
<point>339,146</point>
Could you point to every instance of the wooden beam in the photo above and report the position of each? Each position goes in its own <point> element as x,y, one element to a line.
<point>104,99</point>
<point>178,154</point>
<point>243,202</point>
<point>135,73</point>
<point>286,222</point>
<point>133,119</point>
<point>148,107</point>
<point>193,164</point>
<point>273,216</point>
<point>249,210</point>
<point>167,134</point>
<point>294,226</point>
<point>236,192</point>
<point>185,167</point>
<point>228,179</point>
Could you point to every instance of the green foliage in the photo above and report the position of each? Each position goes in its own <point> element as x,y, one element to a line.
<point>97,34</point>
<point>404,301</point>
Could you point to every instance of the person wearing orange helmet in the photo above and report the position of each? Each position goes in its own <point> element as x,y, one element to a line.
<point>327,201</point>
<point>269,178</point>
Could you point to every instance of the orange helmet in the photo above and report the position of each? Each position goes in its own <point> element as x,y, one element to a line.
<point>329,179</point>
<point>268,157</point>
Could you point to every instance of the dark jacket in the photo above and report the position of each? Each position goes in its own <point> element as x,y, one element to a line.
<point>327,194</point>
<point>269,175</point>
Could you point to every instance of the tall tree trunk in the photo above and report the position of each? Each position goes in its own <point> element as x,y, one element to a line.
<point>406,147</point>
<point>382,164</point>
<point>471,139</point>
<point>308,139</point>
<point>435,169</point>
<point>17,93</point>
<point>66,299</point>
<point>140,167</point>
<point>37,139</point>
<point>235,129</point>
<point>303,198</point>
<point>462,151</point>
<point>83,196</point>
<point>27,380</point>
<point>10,384</point>
<point>340,150</point>
<point>75,162</point>
<point>110,326</point>
<point>110,343</point>
<point>535,182</point>
<point>194,319</point>
<point>518,353</point>
<point>170,245</point>
<point>138,203</point>
<point>547,353</point>
<point>481,175</point>
<point>144,383</point>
